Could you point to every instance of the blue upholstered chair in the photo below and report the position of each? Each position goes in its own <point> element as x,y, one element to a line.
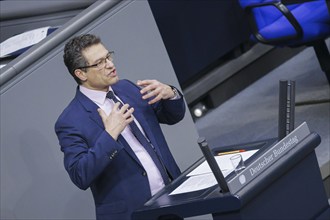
<point>291,23</point>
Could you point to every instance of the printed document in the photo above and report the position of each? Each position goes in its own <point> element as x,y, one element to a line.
<point>21,41</point>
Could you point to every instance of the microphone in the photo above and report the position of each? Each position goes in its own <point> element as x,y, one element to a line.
<point>213,164</point>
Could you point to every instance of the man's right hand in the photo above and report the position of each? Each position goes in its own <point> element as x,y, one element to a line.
<point>117,120</point>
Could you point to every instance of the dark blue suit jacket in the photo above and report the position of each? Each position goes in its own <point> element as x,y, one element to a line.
<point>110,168</point>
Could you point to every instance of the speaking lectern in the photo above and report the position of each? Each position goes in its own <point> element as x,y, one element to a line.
<point>281,180</point>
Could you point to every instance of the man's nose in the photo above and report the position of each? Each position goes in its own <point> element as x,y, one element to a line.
<point>109,63</point>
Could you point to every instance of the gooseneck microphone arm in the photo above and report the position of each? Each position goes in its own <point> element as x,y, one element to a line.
<point>213,164</point>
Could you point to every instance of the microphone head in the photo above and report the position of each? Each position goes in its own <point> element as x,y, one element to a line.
<point>201,140</point>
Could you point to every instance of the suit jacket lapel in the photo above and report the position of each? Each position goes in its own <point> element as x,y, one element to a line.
<point>90,107</point>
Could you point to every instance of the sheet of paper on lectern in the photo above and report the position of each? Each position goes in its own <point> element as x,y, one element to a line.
<point>195,183</point>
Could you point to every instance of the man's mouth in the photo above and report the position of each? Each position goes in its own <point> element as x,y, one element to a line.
<point>113,73</point>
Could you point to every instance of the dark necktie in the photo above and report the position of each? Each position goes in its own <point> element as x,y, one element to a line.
<point>144,142</point>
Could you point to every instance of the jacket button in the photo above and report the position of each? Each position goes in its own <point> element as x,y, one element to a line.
<point>144,173</point>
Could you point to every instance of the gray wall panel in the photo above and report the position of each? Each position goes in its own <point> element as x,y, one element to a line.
<point>34,183</point>
<point>18,16</point>
<point>11,9</point>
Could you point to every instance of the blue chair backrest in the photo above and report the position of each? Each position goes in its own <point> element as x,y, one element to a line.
<point>313,17</point>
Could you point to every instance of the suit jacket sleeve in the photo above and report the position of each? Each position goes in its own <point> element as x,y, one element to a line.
<point>170,111</point>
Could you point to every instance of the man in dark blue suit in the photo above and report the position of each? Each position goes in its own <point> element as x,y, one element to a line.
<point>100,132</point>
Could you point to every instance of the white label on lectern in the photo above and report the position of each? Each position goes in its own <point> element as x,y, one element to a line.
<point>269,157</point>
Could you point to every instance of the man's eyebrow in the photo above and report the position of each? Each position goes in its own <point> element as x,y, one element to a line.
<point>101,58</point>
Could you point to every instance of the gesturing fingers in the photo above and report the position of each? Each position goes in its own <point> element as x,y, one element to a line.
<point>155,99</point>
<point>117,120</point>
<point>148,86</point>
<point>124,108</point>
<point>125,111</point>
<point>155,90</point>
<point>128,114</point>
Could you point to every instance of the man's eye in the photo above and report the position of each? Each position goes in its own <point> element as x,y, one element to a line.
<point>100,63</point>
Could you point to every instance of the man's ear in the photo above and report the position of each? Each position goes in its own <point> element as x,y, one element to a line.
<point>81,75</point>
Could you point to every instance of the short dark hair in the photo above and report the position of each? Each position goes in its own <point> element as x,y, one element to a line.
<point>73,57</point>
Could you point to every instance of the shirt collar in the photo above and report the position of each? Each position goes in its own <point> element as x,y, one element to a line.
<point>96,96</point>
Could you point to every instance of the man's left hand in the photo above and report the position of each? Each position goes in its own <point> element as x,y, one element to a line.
<point>156,89</point>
